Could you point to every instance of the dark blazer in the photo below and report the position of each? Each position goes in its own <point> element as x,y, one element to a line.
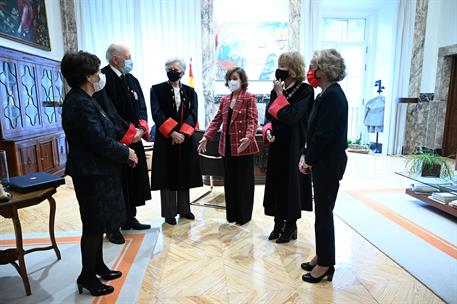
<point>327,128</point>
<point>93,149</point>
<point>243,124</point>
<point>125,131</point>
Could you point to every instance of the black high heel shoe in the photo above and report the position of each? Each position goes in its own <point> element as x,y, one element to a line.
<point>329,274</point>
<point>95,287</point>
<point>307,266</point>
<point>110,275</point>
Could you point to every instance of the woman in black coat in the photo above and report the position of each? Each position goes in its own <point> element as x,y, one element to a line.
<point>175,163</point>
<point>287,192</point>
<point>325,156</point>
<point>94,163</point>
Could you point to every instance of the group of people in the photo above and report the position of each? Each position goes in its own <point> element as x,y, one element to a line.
<point>105,119</point>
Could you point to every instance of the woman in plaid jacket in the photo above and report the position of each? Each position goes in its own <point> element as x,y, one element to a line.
<point>238,115</point>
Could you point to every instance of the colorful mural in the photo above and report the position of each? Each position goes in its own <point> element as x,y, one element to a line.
<point>253,46</point>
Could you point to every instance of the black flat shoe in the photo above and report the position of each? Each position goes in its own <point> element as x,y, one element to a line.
<point>135,225</point>
<point>307,266</point>
<point>96,288</point>
<point>170,220</point>
<point>286,236</point>
<point>189,216</point>
<point>110,275</point>
<point>329,274</point>
<point>116,238</point>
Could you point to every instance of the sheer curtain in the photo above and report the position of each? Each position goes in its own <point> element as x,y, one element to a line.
<point>402,66</point>
<point>309,33</point>
<point>153,30</point>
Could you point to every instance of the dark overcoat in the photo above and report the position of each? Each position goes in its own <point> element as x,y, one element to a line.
<point>128,99</point>
<point>95,155</point>
<point>174,167</point>
<point>287,191</point>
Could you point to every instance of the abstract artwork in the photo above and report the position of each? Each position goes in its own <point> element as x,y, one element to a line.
<point>254,46</point>
<point>25,21</point>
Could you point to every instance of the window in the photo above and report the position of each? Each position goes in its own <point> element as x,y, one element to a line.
<point>349,37</point>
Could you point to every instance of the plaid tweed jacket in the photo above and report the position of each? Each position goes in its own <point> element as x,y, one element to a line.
<point>243,124</point>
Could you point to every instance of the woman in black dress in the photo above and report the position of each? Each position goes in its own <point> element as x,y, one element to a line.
<point>287,192</point>
<point>94,162</point>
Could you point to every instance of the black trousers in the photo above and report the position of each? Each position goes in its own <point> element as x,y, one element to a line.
<point>326,182</point>
<point>239,187</point>
<point>174,202</point>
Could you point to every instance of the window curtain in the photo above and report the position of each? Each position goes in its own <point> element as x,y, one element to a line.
<point>402,66</point>
<point>309,32</point>
<point>153,30</point>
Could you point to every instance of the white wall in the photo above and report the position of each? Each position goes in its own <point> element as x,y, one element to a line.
<point>441,31</point>
<point>55,34</point>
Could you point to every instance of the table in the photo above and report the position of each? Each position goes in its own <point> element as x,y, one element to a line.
<point>448,185</point>
<point>10,210</point>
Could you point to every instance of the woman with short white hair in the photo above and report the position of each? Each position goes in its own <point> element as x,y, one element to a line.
<point>325,156</point>
<point>175,163</point>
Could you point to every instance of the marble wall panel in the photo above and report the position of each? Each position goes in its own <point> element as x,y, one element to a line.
<point>69,29</point>
<point>438,123</point>
<point>208,59</point>
<point>294,25</point>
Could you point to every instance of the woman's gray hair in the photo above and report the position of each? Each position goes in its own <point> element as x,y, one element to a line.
<point>177,60</point>
<point>329,62</point>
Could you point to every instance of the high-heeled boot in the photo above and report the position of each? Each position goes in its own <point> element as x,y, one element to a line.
<point>278,228</point>
<point>290,232</point>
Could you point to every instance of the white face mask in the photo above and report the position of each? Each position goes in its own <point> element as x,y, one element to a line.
<point>234,85</point>
<point>99,85</point>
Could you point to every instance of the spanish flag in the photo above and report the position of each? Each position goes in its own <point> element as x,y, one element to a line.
<point>191,75</point>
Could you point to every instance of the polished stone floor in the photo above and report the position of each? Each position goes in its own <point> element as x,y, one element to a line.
<point>211,261</point>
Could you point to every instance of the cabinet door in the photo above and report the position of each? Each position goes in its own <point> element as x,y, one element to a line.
<point>47,161</point>
<point>11,116</point>
<point>62,151</point>
<point>29,158</point>
<point>58,90</point>
<point>49,114</point>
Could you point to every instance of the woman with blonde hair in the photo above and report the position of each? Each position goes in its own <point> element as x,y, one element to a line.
<point>325,156</point>
<point>287,192</point>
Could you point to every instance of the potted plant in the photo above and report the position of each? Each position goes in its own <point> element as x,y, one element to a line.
<point>428,164</point>
<point>357,147</point>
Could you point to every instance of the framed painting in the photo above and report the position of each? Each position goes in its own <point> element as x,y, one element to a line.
<point>25,21</point>
<point>254,46</point>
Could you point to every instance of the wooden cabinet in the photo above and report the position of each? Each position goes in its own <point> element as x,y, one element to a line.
<point>31,98</point>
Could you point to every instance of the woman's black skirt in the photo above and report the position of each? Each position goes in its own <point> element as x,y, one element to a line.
<point>101,202</point>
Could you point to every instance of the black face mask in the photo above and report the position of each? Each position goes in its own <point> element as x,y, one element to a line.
<point>173,75</point>
<point>281,74</point>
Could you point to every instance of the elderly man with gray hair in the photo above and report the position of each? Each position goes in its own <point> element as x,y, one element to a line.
<point>175,164</point>
<point>126,95</point>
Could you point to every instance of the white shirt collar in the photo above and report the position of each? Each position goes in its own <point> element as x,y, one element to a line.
<point>118,73</point>
<point>290,85</point>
